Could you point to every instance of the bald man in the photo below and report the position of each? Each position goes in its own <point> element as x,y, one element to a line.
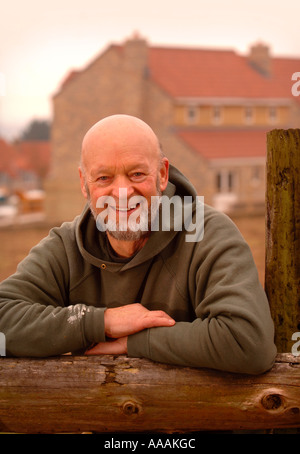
<point>115,281</point>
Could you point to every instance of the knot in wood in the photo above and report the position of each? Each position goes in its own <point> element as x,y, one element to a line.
<point>130,408</point>
<point>272,402</point>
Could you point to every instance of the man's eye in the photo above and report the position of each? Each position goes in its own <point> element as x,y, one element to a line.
<point>103,179</point>
<point>138,174</point>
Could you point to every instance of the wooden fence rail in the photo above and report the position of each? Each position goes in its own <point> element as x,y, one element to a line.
<point>107,394</point>
<point>121,394</point>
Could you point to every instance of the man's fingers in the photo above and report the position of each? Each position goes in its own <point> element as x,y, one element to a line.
<point>117,347</point>
<point>161,314</point>
<point>158,318</point>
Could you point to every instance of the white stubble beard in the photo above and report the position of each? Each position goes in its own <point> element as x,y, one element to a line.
<point>130,230</point>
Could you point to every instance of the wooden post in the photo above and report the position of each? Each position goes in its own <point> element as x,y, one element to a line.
<point>108,394</point>
<point>282,277</point>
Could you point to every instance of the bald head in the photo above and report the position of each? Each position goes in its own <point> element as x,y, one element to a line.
<point>121,158</point>
<point>118,133</point>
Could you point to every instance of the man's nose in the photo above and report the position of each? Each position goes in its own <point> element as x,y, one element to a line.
<point>122,189</point>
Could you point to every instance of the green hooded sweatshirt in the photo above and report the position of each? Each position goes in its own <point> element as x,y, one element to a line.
<point>55,302</point>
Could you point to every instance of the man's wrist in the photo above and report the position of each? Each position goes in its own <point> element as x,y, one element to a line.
<point>106,317</point>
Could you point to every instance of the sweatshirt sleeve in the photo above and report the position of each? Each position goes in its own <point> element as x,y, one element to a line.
<point>233,330</point>
<point>34,313</point>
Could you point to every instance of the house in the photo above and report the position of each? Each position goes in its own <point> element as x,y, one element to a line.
<point>24,165</point>
<point>33,162</point>
<point>8,169</point>
<point>23,169</point>
<point>211,110</point>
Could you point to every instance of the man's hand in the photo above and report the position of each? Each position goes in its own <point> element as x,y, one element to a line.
<point>132,318</point>
<point>116,347</point>
<point>122,321</point>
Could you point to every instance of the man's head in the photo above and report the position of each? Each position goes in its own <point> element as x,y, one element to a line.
<point>122,152</point>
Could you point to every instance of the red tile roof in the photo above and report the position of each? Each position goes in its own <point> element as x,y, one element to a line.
<point>218,73</point>
<point>197,72</point>
<point>8,157</point>
<point>33,156</point>
<point>226,144</point>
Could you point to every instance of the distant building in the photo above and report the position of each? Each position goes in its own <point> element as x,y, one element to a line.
<point>8,168</point>
<point>23,169</point>
<point>24,165</point>
<point>211,110</point>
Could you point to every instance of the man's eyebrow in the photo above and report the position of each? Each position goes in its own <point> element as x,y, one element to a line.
<point>108,170</point>
<point>138,166</point>
<point>100,170</point>
<point>145,164</point>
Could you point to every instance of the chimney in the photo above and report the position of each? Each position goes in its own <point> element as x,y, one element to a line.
<point>136,53</point>
<point>260,59</point>
<point>134,72</point>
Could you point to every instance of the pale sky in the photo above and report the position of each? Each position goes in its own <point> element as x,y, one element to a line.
<point>42,40</point>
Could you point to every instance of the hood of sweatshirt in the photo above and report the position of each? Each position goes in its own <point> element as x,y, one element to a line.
<point>93,244</point>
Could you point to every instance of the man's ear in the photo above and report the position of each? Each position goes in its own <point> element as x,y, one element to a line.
<point>82,182</point>
<point>164,174</point>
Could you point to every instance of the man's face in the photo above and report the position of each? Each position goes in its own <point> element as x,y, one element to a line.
<point>129,170</point>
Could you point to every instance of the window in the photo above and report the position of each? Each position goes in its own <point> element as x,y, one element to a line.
<point>249,115</point>
<point>217,115</point>
<point>256,175</point>
<point>219,182</point>
<point>192,115</point>
<point>225,181</point>
<point>273,115</point>
<point>230,181</point>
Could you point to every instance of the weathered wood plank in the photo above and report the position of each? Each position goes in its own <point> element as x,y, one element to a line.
<point>282,278</point>
<point>107,394</point>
